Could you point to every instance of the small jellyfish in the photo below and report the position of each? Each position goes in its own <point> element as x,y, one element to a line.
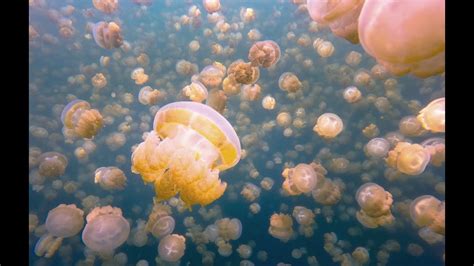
<point>250,192</point>
<point>243,73</point>
<point>300,179</point>
<point>361,255</point>
<point>352,94</point>
<point>323,48</point>
<point>110,178</point>
<point>211,6</point>
<point>229,229</point>
<point>106,6</point>
<point>107,35</point>
<point>289,82</point>
<point>150,96</point>
<point>171,247</point>
<point>212,75</point>
<point>264,53</point>
<point>186,68</point>
<point>106,229</point>
<point>328,125</point>
<point>353,58</point>
<point>410,159</point>
<point>247,15</point>
<point>65,221</point>
<point>230,86</point>
<point>375,205</point>
<point>251,92</point>
<point>281,227</point>
<point>267,183</point>
<point>52,164</point>
<point>139,76</point>
<point>268,102</point>
<point>377,148</point>
<point>195,91</point>
<point>327,192</point>
<point>47,245</point>
<point>428,211</point>
<point>217,100</point>
<point>99,81</point>
<point>245,251</point>
<point>303,216</point>
<point>437,150</point>
<point>283,119</point>
<point>83,121</point>
<point>433,116</point>
<point>163,226</point>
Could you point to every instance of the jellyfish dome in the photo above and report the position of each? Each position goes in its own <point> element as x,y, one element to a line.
<point>433,116</point>
<point>52,164</point>
<point>171,247</point>
<point>163,226</point>
<point>264,53</point>
<point>190,144</point>
<point>428,211</point>
<point>107,35</point>
<point>106,229</point>
<point>405,36</point>
<point>81,119</point>
<point>65,220</point>
<point>110,178</point>
<point>410,159</point>
<point>301,179</point>
<point>375,205</point>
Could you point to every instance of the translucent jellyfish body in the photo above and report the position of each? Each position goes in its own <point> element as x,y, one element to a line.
<point>106,229</point>
<point>149,96</point>
<point>281,227</point>
<point>65,221</point>
<point>410,159</point>
<point>433,116</point>
<point>229,229</point>
<point>211,6</point>
<point>437,149</point>
<point>377,148</point>
<point>47,245</point>
<point>110,178</point>
<point>52,164</point>
<point>328,125</point>
<point>139,76</point>
<point>171,247</point>
<point>428,211</point>
<point>300,179</point>
<point>341,16</point>
<point>289,82</point>
<point>268,102</point>
<point>243,73</point>
<point>264,53</point>
<point>375,205</point>
<point>415,31</point>
<point>352,94</point>
<point>107,35</point>
<point>212,75</point>
<point>195,91</point>
<point>106,6</point>
<point>81,120</point>
<point>189,145</point>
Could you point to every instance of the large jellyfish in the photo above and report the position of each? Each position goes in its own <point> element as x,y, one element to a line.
<point>81,120</point>
<point>405,36</point>
<point>375,205</point>
<point>433,116</point>
<point>110,178</point>
<point>65,221</point>
<point>211,6</point>
<point>410,159</point>
<point>300,179</point>
<point>428,211</point>
<point>107,35</point>
<point>264,53</point>
<point>190,144</point>
<point>171,247</point>
<point>106,229</point>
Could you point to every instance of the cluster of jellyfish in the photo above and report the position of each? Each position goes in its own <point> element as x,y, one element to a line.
<point>176,118</point>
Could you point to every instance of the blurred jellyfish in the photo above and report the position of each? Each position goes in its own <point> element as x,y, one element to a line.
<point>110,178</point>
<point>281,227</point>
<point>361,255</point>
<point>65,221</point>
<point>250,192</point>
<point>99,81</point>
<point>186,68</point>
<point>83,121</point>
<point>243,73</point>
<point>418,49</point>
<point>195,91</point>
<point>264,53</point>
<point>190,144</point>
<point>352,94</point>
<point>247,15</point>
<point>115,141</point>
<point>255,208</point>
<point>139,76</point>
<point>410,159</point>
<point>106,229</point>
<point>327,191</point>
<point>268,102</point>
<point>437,150</point>
<point>217,100</point>
<point>340,16</point>
<point>353,58</point>
<point>163,226</point>
<point>230,86</point>
<point>300,179</point>
<point>47,245</point>
<point>52,164</point>
<point>289,82</point>
<point>251,92</point>
<point>410,126</point>
<point>428,211</point>
<point>323,48</point>
<point>375,205</point>
<point>245,251</point>
<point>328,125</point>
<point>430,236</point>
<point>150,96</point>
<point>266,183</point>
<point>106,6</point>
<point>171,247</point>
<point>303,216</point>
<point>107,35</point>
<point>377,148</point>
<point>229,229</point>
<point>212,75</point>
<point>432,117</point>
<point>211,6</point>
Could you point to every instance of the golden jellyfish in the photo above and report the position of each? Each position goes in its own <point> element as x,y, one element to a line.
<point>304,40</point>
<point>353,58</point>
<point>281,227</point>
<point>254,35</point>
<point>163,226</point>
<point>247,15</point>
<point>340,16</point>
<point>194,46</point>
<point>410,159</point>
<point>352,94</point>
<point>417,48</point>
<point>150,96</point>
<point>264,53</point>
<point>289,82</point>
<point>217,100</point>
<point>229,229</point>
<point>104,61</point>
<point>324,49</point>
<point>433,116</point>
<point>139,76</point>
<point>250,192</point>
<point>171,247</point>
<point>99,81</point>
<point>211,6</point>
<point>251,92</point>
<point>303,215</point>
<point>437,150</point>
<point>186,68</point>
<point>230,86</point>
<point>415,250</point>
<point>245,251</point>
<point>32,222</point>
<point>328,125</point>
<point>110,178</point>
<point>212,75</point>
<point>47,245</point>
<point>327,191</point>
<point>106,6</point>
<point>377,148</point>
<point>410,126</point>
<point>195,91</point>
<point>300,179</point>
<point>115,141</point>
<point>65,221</point>
<point>268,102</point>
<point>242,72</point>
<point>255,208</point>
<point>428,211</point>
<point>107,35</point>
<point>375,205</point>
<point>106,229</point>
<point>361,255</point>
<point>190,144</point>
<point>52,164</point>
<point>267,183</point>
<point>283,119</point>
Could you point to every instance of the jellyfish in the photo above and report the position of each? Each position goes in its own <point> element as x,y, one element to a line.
<point>289,82</point>
<point>303,216</point>
<point>65,221</point>
<point>106,6</point>
<point>217,100</point>
<point>186,68</point>
<point>251,92</point>
<point>243,73</point>
<point>268,102</point>
<point>247,15</point>
<point>230,86</point>
<point>107,35</point>
<point>340,16</point>
<point>115,140</point>
<point>250,192</point>
<point>52,164</point>
<point>437,150</point>
<point>377,148</point>
<point>264,53</point>
<point>429,236</point>
<point>211,6</point>
<point>327,191</point>
<point>195,91</point>
<point>255,208</point>
<point>171,247</point>
<point>300,179</point>
<point>281,227</point>
<point>150,96</point>
<point>229,229</point>
<point>361,255</point>
<point>190,144</point>
<point>410,159</point>
<point>139,76</point>
<point>99,81</point>
<point>328,125</point>
<point>323,48</point>
<point>81,120</point>
<point>410,126</point>
<point>110,178</point>
<point>245,251</point>
<point>212,75</point>
<point>163,226</point>
<point>106,229</point>
<point>417,48</point>
<point>353,58</point>
<point>47,245</point>
<point>375,205</point>
<point>427,211</point>
<point>433,116</point>
<point>352,94</point>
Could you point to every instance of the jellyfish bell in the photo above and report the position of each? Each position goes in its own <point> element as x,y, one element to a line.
<point>52,164</point>
<point>110,178</point>
<point>79,117</point>
<point>352,94</point>
<point>107,35</point>
<point>410,159</point>
<point>289,82</point>
<point>281,227</point>
<point>377,148</point>
<point>106,6</point>
<point>212,75</point>
<point>264,53</point>
<point>196,91</point>
<point>433,116</point>
<point>428,211</point>
<point>300,179</point>
<point>65,221</point>
<point>375,205</point>
<point>211,6</point>
<point>163,226</point>
<point>243,73</point>
<point>328,125</point>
